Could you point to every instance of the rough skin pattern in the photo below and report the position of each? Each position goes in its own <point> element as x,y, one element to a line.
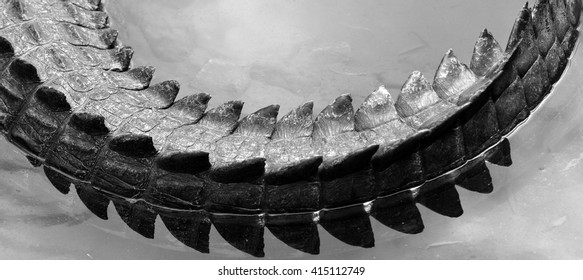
<point>70,101</point>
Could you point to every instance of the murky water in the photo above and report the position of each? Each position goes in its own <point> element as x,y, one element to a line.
<point>288,52</point>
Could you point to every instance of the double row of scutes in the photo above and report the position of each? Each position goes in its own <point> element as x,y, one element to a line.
<point>73,103</point>
<point>353,226</point>
<point>59,60</point>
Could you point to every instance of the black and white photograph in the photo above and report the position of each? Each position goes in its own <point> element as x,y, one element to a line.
<point>291,130</point>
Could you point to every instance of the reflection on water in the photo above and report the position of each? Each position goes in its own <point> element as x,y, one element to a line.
<point>287,52</point>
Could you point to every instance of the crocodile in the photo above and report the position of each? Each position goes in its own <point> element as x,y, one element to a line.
<point>72,103</point>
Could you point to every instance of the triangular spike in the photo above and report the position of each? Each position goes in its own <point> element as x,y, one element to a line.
<point>240,171</point>
<point>123,56</point>
<point>260,123</point>
<point>350,225</point>
<point>59,181</point>
<point>378,108</point>
<point>133,145</point>
<point>559,14</point>
<point>500,154</point>
<point>573,11</point>
<point>191,162</point>
<point>297,123</point>
<point>106,38</point>
<point>225,117</point>
<point>296,231</point>
<point>80,16</point>
<point>53,99</point>
<point>243,232</point>
<point>520,25</point>
<point>306,169</point>
<point>336,118</point>
<point>190,228</point>
<point>137,216</point>
<point>91,124</point>
<point>142,74</point>
<point>452,77</point>
<point>570,41</point>
<point>302,237</point>
<point>523,38</point>
<point>162,95</point>
<point>487,53</point>
<point>94,19</point>
<point>416,94</point>
<point>543,26</point>
<point>476,179</point>
<point>556,61</point>
<point>93,200</point>
<point>134,79</point>
<point>398,212</point>
<point>536,83</point>
<point>191,107</point>
<point>443,200</point>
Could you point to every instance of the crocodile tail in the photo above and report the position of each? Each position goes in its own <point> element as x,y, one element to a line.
<point>72,102</point>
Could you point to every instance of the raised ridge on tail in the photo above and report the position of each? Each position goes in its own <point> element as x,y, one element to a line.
<point>71,101</point>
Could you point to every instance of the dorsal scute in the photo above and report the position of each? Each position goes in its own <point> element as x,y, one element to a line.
<point>544,28</point>
<point>487,53</point>
<point>560,17</point>
<point>416,95</point>
<point>134,79</point>
<point>123,56</point>
<point>260,123</point>
<point>522,38</point>
<point>162,95</point>
<point>190,108</point>
<point>335,119</point>
<point>573,11</point>
<point>452,77</point>
<point>297,123</point>
<point>378,108</point>
<point>521,24</point>
<point>224,117</point>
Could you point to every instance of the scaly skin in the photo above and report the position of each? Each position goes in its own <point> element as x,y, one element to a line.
<point>70,101</point>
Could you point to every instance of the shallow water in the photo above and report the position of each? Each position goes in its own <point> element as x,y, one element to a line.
<point>288,52</point>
